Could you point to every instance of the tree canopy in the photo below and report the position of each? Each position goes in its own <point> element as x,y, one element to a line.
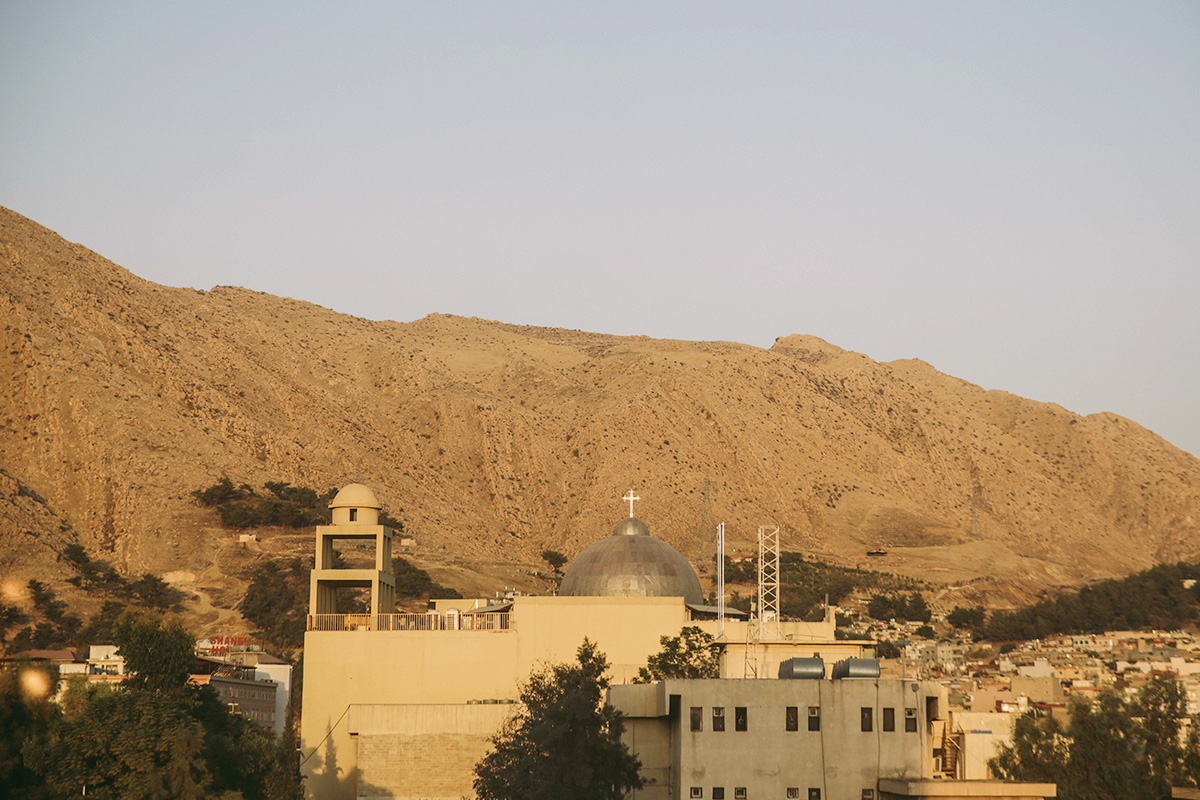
<point>1154,598</point>
<point>691,654</point>
<point>153,737</point>
<point>1110,749</point>
<point>565,742</point>
<point>159,653</point>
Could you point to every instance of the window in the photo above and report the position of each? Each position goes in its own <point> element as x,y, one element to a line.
<point>718,718</point>
<point>889,719</point>
<point>697,718</point>
<point>910,720</point>
<point>793,792</point>
<point>814,718</point>
<point>814,793</point>
<point>696,791</point>
<point>354,515</point>
<point>867,715</point>
<point>868,794</point>
<point>718,793</point>
<point>931,708</point>
<point>739,718</point>
<point>739,793</point>
<point>791,721</point>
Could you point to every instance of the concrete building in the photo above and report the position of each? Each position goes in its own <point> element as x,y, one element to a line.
<point>813,739</point>
<point>403,705</point>
<point>239,688</point>
<point>853,737</point>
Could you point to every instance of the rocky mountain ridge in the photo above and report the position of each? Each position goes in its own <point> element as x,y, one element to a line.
<point>493,441</point>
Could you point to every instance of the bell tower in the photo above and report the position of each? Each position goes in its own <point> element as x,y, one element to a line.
<point>355,517</point>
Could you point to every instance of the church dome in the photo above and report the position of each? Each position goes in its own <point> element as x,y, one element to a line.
<point>355,495</point>
<point>631,563</point>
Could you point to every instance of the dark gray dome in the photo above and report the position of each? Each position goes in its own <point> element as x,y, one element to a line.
<point>631,563</point>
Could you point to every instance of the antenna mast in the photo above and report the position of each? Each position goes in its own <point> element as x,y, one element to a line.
<point>721,582</point>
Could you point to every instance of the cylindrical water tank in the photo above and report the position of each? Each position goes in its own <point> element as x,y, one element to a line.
<point>802,668</point>
<point>856,668</point>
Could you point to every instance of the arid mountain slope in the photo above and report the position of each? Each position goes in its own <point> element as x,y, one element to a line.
<point>493,441</point>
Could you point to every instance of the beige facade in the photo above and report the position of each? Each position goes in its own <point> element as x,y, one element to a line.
<point>816,739</point>
<point>475,661</point>
<point>404,705</point>
<point>868,738</point>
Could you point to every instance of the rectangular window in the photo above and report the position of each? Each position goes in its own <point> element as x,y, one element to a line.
<point>696,791</point>
<point>697,718</point>
<point>791,720</point>
<point>739,718</point>
<point>793,792</point>
<point>910,720</point>
<point>889,719</point>
<point>814,718</point>
<point>867,715</point>
<point>868,794</point>
<point>354,515</point>
<point>718,793</point>
<point>814,793</point>
<point>718,718</point>
<point>739,793</point>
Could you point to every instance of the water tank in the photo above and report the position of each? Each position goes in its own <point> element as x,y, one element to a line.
<point>856,668</point>
<point>812,669</point>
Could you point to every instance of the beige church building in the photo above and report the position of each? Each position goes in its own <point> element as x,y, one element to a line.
<point>402,705</point>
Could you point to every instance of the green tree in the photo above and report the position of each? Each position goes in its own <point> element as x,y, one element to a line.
<point>555,559</point>
<point>564,743</point>
<point>1038,751</point>
<point>1104,761</point>
<point>413,582</point>
<point>968,618</point>
<point>1161,706</point>
<point>27,716</point>
<point>124,745</point>
<point>1110,749</point>
<point>159,654</point>
<point>691,654</point>
<point>274,602</point>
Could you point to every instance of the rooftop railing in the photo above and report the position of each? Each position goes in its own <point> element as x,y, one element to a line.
<point>498,621</point>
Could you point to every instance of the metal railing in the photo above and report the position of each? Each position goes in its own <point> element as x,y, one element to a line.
<point>410,622</point>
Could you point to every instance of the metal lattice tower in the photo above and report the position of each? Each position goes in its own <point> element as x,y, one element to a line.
<point>768,582</point>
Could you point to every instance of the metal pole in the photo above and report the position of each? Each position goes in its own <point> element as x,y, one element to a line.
<point>721,581</point>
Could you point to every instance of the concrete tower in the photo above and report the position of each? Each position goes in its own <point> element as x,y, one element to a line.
<point>355,517</point>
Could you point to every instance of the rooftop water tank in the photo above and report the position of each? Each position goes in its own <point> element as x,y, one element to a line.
<point>856,668</point>
<point>812,669</point>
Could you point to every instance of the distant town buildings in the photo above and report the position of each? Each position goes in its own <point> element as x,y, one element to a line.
<point>252,683</point>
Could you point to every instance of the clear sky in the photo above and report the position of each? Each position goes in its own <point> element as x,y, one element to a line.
<point>1009,191</point>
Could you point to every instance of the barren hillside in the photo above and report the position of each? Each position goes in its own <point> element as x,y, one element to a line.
<point>494,441</point>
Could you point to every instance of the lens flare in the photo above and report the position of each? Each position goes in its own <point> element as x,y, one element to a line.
<point>35,684</point>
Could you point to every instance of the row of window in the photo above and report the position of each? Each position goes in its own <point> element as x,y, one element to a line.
<point>718,718</point>
<point>739,793</point>
<point>791,720</point>
<point>867,717</point>
<point>718,792</point>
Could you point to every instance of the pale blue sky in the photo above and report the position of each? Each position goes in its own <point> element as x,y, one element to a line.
<point>1010,191</point>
